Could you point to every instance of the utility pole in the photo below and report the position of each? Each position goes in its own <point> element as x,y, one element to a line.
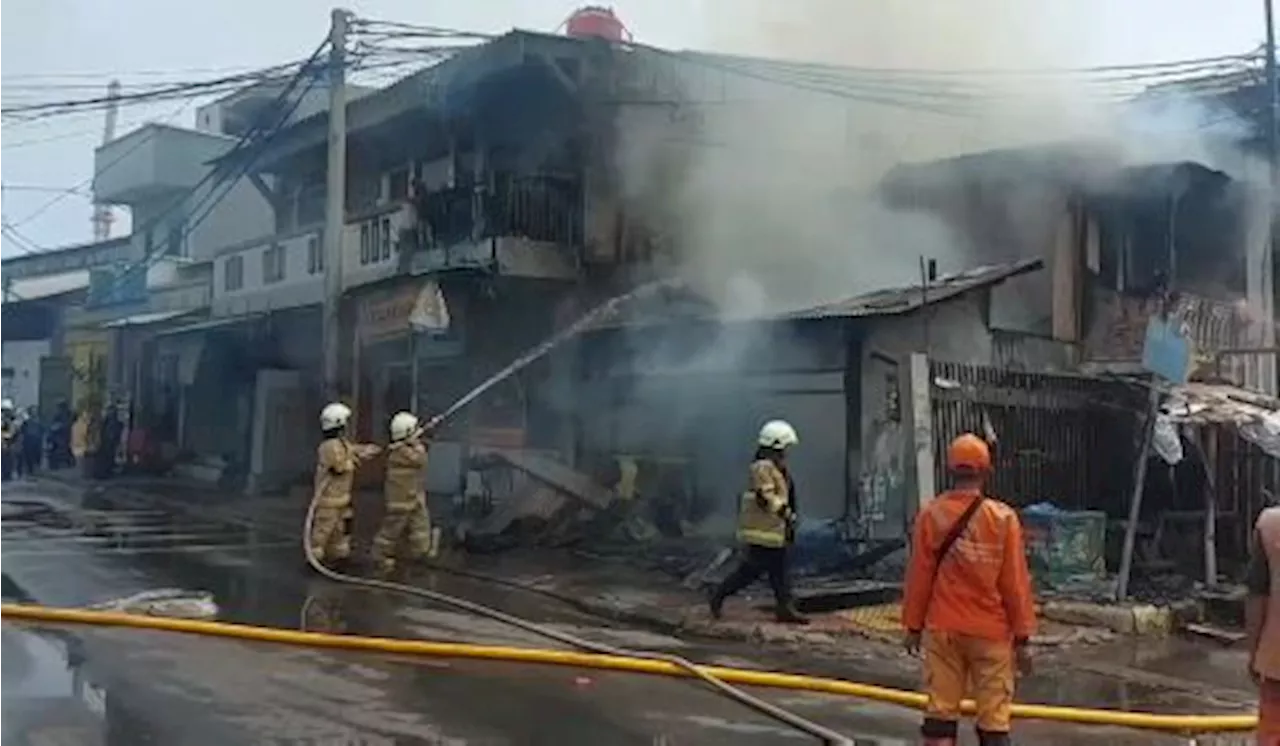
<point>335,197</point>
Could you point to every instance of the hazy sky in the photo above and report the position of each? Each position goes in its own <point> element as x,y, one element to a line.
<point>70,48</point>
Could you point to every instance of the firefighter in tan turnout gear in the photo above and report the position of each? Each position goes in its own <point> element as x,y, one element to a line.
<point>336,461</point>
<point>406,518</point>
<point>766,523</point>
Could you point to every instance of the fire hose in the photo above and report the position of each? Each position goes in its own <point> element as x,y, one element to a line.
<point>598,655</point>
<point>826,735</point>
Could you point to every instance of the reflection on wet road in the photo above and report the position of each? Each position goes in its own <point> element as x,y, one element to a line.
<point>86,685</point>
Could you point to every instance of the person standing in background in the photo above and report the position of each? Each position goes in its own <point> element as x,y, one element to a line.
<point>1262,623</point>
<point>32,442</point>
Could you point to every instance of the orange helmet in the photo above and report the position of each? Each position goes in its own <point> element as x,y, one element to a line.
<point>968,452</point>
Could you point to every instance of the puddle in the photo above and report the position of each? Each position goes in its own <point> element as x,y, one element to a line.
<point>47,695</point>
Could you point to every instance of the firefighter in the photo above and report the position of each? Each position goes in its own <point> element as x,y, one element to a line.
<point>406,517</point>
<point>968,598</point>
<point>8,438</point>
<point>766,523</point>
<point>336,461</point>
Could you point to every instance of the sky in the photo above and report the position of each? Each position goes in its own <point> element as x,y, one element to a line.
<point>54,49</point>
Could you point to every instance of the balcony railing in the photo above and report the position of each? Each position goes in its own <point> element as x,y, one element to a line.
<point>537,208</point>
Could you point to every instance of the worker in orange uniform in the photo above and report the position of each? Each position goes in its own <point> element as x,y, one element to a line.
<point>1262,623</point>
<point>968,595</point>
<point>336,461</point>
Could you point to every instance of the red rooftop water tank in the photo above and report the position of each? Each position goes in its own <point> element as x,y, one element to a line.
<point>596,21</point>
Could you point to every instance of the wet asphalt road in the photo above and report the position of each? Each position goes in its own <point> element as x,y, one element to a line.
<point>76,685</point>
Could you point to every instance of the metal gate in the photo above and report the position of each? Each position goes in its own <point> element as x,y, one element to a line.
<point>1065,439</point>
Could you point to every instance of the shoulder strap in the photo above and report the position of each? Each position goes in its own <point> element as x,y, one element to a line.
<point>957,529</point>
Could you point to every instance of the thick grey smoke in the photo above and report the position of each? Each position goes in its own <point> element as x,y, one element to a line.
<point>767,193</point>
<point>778,180</point>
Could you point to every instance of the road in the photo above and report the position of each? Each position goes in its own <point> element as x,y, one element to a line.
<point>78,685</point>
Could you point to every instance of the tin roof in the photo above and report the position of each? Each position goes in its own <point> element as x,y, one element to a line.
<point>677,302</point>
<point>893,301</point>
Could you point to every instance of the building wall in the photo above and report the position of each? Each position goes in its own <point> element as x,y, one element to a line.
<point>241,214</point>
<point>371,253</point>
<point>957,331</point>
<point>702,394</point>
<point>22,370</point>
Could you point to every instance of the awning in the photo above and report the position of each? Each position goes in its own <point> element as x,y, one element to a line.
<point>142,319</point>
<point>47,286</point>
<point>207,324</point>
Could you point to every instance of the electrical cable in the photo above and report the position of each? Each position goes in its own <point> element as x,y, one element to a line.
<point>249,140</point>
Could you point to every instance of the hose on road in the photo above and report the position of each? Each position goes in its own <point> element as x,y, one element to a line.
<point>1183,724</point>
<point>826,735</point>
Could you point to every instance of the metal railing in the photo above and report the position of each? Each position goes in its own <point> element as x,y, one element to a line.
<point>538,208</point>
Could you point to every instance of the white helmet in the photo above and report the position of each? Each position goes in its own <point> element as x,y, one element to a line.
<point>402,425</point>
<point>778,434</point>
<point>334,415</point>
<point>6,404</point>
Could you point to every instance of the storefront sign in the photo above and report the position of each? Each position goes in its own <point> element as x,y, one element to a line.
<point>410,306</point>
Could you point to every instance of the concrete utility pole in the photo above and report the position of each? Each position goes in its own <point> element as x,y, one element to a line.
<point>335,196</point>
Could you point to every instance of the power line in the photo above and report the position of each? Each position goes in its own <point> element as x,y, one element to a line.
<point>37,188</point>
<point>26,244</point>
<point>252,142</point>
<point>99,171</point>
<point>43,110</point>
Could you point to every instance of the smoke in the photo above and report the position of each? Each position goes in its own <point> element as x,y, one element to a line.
<point>764,186</point>
<point>774,174</point>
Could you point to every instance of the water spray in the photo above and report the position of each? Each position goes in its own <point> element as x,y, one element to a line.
<point>564,335</point>
<point>820,732</point>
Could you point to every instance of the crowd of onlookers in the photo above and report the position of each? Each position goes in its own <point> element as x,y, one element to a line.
<point>67,439</point>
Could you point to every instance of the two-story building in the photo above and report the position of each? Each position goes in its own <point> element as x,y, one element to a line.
<point>465,200</point>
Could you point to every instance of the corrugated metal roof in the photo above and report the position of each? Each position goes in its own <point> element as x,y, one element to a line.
<point>48,286</point>
<point>1256,416</point>
<point>677,302</point>
<point>893,301</point>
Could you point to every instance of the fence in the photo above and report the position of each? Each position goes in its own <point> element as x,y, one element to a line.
<point>1245,479</point>
<point>1065,439</point>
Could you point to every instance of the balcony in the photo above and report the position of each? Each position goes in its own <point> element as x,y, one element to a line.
<point>524,227</point>
<point>153,162</point>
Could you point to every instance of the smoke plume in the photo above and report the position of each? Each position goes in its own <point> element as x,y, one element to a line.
<point>774,173</point>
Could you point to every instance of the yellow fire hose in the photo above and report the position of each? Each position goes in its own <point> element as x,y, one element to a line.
<point>821,732</point>
<point>1186,724</point>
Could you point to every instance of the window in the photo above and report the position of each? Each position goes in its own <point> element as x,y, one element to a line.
<point>398,184</point>
<point>233,274</point>
<point>272,264</point>
<point>315,256</point>
<point>173,242</point>
<point>386,239</point>
<point>366,247</point>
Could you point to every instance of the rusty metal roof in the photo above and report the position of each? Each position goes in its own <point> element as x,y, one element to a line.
<point>682,303</point>
<point>893,301</point>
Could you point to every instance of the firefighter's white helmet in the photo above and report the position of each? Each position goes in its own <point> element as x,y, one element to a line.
<point>403,424</point>
<point>6,404</point>
<point>778,434</point>
<point>334,416</point>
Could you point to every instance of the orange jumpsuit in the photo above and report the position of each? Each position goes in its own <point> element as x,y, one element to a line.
<point>979,601</point>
